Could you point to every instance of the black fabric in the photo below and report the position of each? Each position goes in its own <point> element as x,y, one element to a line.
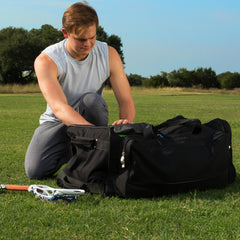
<point>89,166</point>
<point>141,160</point>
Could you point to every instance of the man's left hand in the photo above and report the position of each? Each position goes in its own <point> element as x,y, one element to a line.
<point>121,121</point>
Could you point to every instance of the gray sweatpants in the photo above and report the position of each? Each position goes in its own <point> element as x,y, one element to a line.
<point>49,148</point>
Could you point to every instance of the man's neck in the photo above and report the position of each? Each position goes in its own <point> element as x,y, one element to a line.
<point>74,55</point>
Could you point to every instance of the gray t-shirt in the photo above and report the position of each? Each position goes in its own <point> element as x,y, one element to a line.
<point>78,77</point>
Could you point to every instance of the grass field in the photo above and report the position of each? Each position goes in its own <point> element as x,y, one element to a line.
<point>212,214</point>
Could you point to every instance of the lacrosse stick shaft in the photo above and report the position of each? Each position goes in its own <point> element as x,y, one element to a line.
<point>17,187</point>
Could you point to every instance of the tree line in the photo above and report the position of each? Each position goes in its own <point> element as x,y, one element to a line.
<point>19,48</point>
<point>201,77</point>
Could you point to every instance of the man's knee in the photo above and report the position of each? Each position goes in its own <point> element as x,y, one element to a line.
<point>36,170</point>
<point>94,109</point>
<point>33,171</point>
<point>33,174</point>
<point>47,151</point>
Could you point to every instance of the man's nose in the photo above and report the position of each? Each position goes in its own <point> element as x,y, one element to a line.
<point>87,42</point>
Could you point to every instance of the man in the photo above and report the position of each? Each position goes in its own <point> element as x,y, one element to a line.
<point>71,75</point>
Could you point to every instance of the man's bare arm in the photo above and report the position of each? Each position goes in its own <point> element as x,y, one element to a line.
<point>121,89</point>
<point>46,71</point>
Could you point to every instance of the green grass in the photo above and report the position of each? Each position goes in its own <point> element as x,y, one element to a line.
<point>211,214</point>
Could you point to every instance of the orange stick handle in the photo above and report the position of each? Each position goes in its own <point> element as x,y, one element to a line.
<point>17,187</point>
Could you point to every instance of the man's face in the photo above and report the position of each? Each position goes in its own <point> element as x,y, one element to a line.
<point>79,45</point>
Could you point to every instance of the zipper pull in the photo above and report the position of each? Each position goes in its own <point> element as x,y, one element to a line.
<point>122,160</point>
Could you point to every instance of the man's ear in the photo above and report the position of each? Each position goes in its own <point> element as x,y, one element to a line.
<point>65,33</point>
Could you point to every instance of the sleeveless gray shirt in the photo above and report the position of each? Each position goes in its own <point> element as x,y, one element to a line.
<point>78,77</point>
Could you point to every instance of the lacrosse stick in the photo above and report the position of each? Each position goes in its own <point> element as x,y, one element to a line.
<point>46,193</point>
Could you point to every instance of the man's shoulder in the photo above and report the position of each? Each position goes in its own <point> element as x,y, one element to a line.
<point>100,48</point>
<point>56,52</point>
<point>56,47</point>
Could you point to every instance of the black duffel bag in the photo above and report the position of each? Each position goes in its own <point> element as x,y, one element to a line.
<point>142,160</point>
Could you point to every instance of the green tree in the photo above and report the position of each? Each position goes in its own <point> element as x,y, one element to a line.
<point>221,77</point>
<point>159,80</point>
<point>112,40</point>
<point>205,77</point>
<point>231,80</point>
<point>135,79</point>
<point>116,42</point>
<point>15,55</point>
<point>180,78</point>
<point>45,36</point>
<point>19,48</point>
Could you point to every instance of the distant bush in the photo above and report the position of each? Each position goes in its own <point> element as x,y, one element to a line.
<point>230,80</point>
<point>159,80</point>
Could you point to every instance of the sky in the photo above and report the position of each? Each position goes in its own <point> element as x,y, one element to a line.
<point>157,35</point>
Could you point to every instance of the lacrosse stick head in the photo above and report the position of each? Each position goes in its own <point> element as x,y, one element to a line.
<point>47,193</point>
<point>3,186</point>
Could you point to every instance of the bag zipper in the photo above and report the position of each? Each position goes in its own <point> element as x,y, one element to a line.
<point>123,157</point>
<point>122,160</point>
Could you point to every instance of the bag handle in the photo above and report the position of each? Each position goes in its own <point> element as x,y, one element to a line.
<point>143,129</point>
<point>148,131</point>
<point>194,126</point>
<point>92,143</point>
